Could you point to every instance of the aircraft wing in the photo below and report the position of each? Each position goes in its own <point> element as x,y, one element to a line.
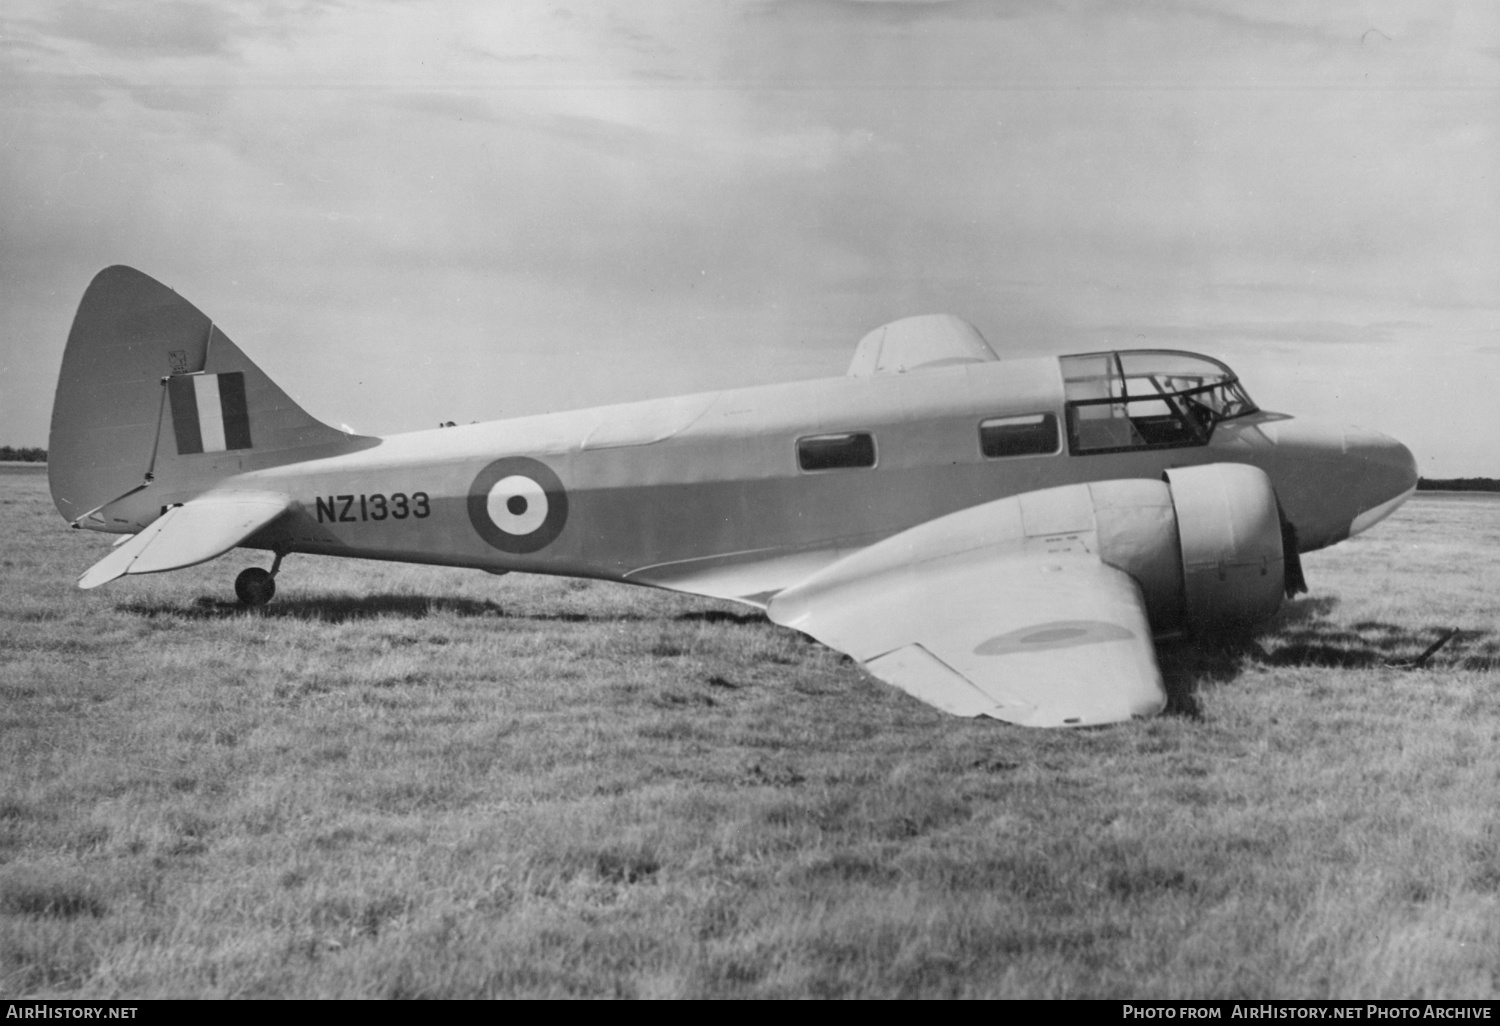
<point>208,526</point>
<point>1032,637</point>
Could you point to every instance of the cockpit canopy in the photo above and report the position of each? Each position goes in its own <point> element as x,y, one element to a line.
<point>1147,399</point>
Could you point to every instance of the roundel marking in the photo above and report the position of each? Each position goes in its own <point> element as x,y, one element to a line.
<point>517,504</point>
<point>1057,634</point>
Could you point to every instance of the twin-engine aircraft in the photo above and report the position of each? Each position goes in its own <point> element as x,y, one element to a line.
<point>995,537</point>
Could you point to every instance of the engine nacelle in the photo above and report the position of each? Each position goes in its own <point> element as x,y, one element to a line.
<point>1233,567</point>
<point>1204,544</point>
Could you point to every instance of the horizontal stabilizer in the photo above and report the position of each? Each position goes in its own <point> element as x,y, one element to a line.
<point>184,535</point>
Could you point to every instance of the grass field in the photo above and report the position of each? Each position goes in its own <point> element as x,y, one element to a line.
<point>399,781</point>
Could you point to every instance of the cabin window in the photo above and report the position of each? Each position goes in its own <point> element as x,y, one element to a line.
<point>1034,434</point>
<point>836,452</point>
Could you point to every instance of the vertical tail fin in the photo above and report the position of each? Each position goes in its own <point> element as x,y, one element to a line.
<point>151,393</point>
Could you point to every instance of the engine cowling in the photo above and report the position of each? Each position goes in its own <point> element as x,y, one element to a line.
<point>1230,530</point>
<point>1205,545</point>
<point>1233,566</point>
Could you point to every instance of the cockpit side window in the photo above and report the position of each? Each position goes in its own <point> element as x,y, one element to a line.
<point>1147,399</point>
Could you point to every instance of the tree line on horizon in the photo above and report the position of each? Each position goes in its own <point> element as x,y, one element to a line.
<point>12,454</point>
<point>1457,484</point>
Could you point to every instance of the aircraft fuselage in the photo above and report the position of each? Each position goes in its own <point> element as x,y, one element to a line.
<point>716,487</point>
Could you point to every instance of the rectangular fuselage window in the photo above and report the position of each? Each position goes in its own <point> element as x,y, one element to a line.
<point>1034,434</point>
<point>836,452</point>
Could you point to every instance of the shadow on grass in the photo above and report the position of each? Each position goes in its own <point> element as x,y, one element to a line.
<point>722,616</point>
<point>1187,665</point>
<point>569,617</point>
<point>347,608</point>
<point>324,608</point>
<point>1303,635</point>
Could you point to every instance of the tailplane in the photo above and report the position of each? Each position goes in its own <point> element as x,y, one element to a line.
<point>154,404</point>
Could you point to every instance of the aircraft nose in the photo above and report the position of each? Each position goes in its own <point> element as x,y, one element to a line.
<point>1334,481</point>
<point>1390,476</point>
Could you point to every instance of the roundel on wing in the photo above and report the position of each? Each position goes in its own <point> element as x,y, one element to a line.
<point>517,504</point>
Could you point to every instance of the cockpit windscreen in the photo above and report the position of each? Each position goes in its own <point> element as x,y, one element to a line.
<point>1147,399</point>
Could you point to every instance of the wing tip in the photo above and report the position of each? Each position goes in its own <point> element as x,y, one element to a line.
<point>88,580</point>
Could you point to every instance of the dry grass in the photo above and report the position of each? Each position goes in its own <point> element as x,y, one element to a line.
<point>409,782</point>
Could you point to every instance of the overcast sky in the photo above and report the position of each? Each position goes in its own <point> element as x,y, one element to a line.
<point>414,212</point>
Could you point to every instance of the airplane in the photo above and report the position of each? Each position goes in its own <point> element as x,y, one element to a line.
<point>997,537</point>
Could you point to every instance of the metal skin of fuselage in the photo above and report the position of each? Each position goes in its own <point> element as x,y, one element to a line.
<point>704,493</point>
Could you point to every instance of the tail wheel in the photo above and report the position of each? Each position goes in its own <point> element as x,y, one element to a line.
<point>255,587</point>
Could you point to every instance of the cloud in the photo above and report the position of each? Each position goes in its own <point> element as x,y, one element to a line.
<point>163,28</point>
<point>1240,332</point>
<point>683,195</point>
